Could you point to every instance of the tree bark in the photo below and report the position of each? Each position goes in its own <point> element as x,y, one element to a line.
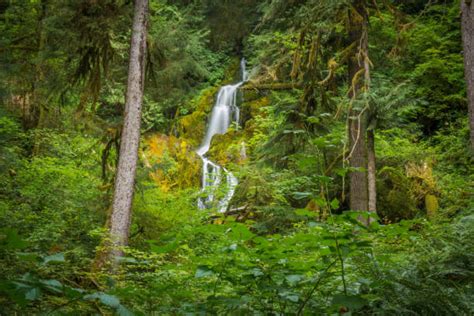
<point>33,114</point>
<point>130,139</point>
<point>467,27</point>
<point>37,113</point>
<point>371,171</point>
<point>358,79</point>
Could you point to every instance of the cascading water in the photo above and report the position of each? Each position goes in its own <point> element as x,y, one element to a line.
<point>224,112</point>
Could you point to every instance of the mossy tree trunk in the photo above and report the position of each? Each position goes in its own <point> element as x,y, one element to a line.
<point>467,26</point>
<point>358,80</point>
<point>130,139</point>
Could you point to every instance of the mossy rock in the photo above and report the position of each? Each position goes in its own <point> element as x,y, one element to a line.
<point>395,200</point>
<point>251,108</point>
<point>257,105</point>
<point>173,162</point>
<point>227,148</point>
<point>192,127</point>
<point>232,74</point>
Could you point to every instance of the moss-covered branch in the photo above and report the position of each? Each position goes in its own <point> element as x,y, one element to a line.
<point>272,86</point>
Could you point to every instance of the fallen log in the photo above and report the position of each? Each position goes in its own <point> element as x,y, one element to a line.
<point>272,86</point>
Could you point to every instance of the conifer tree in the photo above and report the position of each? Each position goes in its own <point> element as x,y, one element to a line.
<point>130,139</point>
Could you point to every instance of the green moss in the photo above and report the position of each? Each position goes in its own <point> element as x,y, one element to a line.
<point>232,73</point>
<point>395,196</point>
<point>431,204</point>
<point>227,148</point>
<point>172,162</point>
<point>192,127</point>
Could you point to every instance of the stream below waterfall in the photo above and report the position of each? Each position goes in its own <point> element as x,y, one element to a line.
<point>224,113</point>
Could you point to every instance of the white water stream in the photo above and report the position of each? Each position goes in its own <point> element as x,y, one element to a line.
<point>224,113</point>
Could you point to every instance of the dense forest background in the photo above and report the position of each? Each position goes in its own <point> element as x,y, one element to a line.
<point>289,242</point>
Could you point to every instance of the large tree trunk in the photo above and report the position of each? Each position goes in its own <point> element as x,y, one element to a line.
<point>467,26</point>
<point>130,139</point>
<point>358,79</point>
<point>371,171</point>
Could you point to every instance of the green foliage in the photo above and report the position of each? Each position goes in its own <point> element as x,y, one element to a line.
<point>286,246</point>
<point>229,269</point>
<point>239,271</point>
<point>11,141</point>
<point>158,214</point>
<point>179,64</point>
<point>428,53</point>
<point>455,167</point>
<point>29,290</point>
<point>438,280</point>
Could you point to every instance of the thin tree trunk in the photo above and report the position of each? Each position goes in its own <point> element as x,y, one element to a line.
<point>38,113</point>
<point>467,26</point>
<point>35,112</point>
<point>358,76</point>
<point>130,139</point>
<point>371,171</point>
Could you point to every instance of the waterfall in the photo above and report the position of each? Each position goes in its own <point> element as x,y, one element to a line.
<point>224,113</point>
<point>243,69</point>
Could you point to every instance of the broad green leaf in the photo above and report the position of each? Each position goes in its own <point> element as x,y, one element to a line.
<point>353,302</point>
<point>313,119</point>
<point>106,299</point>
<point>335,204</point>
<point>302,195</point>
<point>293,279</point>
<point>26,256</point>
<point>168,247</point>
<point>29,278</point>
<point>290,296</point>
<point>58,257</point>
<point>256,272</point>
<point>33,294</point>
<point>305,212</point>
<point>73,293</point>
<point>240,231</point>
<point>52,285</point>
<point>10,239</point>
<point>122,311</point>
<point>203,271</point>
